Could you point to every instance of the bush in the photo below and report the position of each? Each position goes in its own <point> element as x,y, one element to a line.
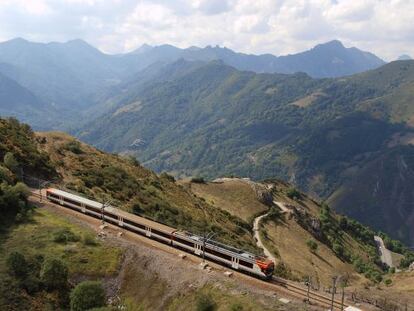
<point>31,284</point>
<point>167,176</point>
<point>236,307</point>
<point>10,162</point>
<point>133,161</point>
<point>65,235</point>
<point>54,274</point>
<point>198,180</point>
<point>87,295</point>
<point>17,265</point>
<point>89,239</point>
<point>205,303</point>
<point>388,282</point>
<point>74,146</point>
<point>293,194</point>
<point>313,246</point>
<point>282,270</point>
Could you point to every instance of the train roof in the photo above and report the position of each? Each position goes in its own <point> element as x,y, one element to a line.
<point>76,198</point>
<point>141,220</point>
<point>114,210</point>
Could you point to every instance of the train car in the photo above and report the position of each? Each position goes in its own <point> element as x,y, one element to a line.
<point>221,253</point>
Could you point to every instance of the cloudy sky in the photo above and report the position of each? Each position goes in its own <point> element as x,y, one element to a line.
<point>384,27</point>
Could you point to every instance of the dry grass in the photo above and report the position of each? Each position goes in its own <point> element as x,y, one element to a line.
<point>290,240</point>
<point>234,196</point>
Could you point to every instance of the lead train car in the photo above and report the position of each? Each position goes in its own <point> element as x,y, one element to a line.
<point>218,252</point>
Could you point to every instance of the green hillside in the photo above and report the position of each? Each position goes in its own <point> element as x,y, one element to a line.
<point>213,120</point>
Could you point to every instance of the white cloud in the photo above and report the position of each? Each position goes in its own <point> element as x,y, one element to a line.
<point>260,26</point>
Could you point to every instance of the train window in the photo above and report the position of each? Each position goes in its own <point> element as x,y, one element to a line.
<point>180,240</point>
<point>246,264</point>
<point>166,235</point>
<point>95,209</point>
<point>111,215</point>
<point>52,195</point>
<point>71,201</point>
<point>217,253</point>
<point>133,223</point>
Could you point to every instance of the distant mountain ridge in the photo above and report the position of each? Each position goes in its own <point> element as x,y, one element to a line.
<point>330,59</point>
<point>76,78</point>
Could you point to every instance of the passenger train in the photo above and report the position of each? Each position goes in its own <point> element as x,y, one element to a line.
<point>213,250</point>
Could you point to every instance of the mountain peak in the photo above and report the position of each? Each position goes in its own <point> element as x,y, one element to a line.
<point>143,49</point>
<point>404,57</point>
<point>335,44</point>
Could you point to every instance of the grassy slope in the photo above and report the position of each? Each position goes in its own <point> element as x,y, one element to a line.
<point>36,238</point>
<point>285,237</point>
<point>234,196</point>
<point>102,176</point>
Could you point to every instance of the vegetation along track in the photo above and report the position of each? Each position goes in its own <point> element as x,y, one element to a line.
<point>275,283</point>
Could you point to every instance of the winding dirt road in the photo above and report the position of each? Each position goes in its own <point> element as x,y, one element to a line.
<point>259,242</point>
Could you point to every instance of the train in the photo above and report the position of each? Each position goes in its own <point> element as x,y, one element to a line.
<point>215,251</point>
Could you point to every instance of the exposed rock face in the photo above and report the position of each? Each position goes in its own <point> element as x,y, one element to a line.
<point>308,222</point>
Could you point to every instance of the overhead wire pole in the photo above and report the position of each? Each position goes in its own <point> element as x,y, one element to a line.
<point>41,186</point>
<point>107,203</point>
<point>334,278</point>
<point>206,238</point>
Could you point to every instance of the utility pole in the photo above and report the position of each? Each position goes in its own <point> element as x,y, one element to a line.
<point>334,278</point>
<point>107,203</point>
<point>41,186</point>
<point>206,238</point>
<point>308,283</point>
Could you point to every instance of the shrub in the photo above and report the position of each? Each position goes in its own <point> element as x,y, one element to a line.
<point>87,295</point>
<point>205,303</point>
<point>236,307</point>
<point>65,235</point>
<point>133,161</point>
<point>54,274</point>
<point>10,162</point>
<point>89,239</point>
<point>167,176</point>
<point>313,246</point>
<point>293,194</point>
<point>17,265</point>
<point>31,284</point>
<point>388,282</point>
<point>74,146</point>
<point>282,270</point>
<point>198,180</point>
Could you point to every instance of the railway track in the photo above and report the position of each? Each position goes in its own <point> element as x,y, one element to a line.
<point>288,286</point>
<point>303,292</point>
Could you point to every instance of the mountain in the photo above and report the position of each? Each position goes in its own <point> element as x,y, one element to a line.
<point>19,102</point>
<point>404,57</point>
<point>77,79</point>
<point>66,75</point>
<point>213,119</point>
<point>330,59</point>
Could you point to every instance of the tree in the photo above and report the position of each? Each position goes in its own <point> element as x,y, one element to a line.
<point>54,274</point>
<point>10,162</point>
<point>313,246</point>
<point>17,265</point>
<point>87,295</point>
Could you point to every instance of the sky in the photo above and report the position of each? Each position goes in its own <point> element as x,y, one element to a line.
<point>279,27</point>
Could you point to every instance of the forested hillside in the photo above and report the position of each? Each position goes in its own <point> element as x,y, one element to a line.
<point>214,120</point>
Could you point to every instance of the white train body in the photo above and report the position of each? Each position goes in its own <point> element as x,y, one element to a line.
<point>215,251</point>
